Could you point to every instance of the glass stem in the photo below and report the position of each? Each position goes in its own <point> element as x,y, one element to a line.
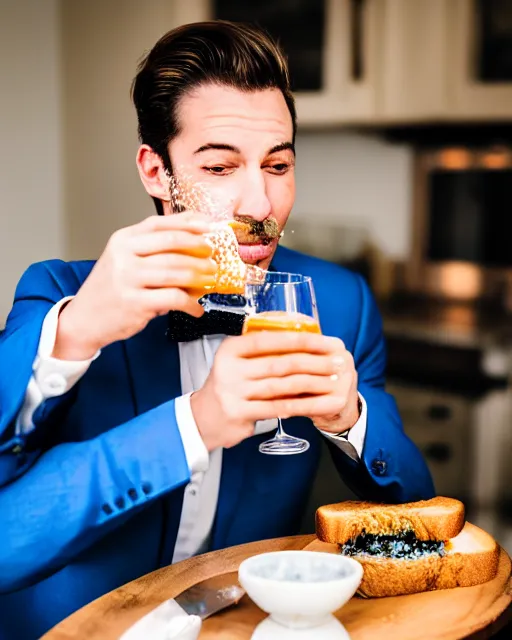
<point>280,431</point>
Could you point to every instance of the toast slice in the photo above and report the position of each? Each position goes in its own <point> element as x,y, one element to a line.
<point>470,558</point>
<point>436,519</point>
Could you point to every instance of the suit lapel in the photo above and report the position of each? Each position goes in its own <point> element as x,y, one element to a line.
<point>153,366</point>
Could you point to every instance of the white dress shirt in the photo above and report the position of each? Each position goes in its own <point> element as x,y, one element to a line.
<point>52,377</point>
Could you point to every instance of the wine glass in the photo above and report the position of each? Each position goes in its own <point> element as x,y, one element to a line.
<point>283,302</point>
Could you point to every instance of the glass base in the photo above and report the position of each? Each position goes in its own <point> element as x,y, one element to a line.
<point>284,446</point>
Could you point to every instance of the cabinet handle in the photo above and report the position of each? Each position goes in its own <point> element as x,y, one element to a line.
<point>357,39</point>
<point>438,452</point>
<point>439,412</point>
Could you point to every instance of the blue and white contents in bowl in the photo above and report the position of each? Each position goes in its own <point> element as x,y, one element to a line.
<point>300,589</point>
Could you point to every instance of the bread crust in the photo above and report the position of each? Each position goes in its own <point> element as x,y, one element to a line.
<point>437,519</point>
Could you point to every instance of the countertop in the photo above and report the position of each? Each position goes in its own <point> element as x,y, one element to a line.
<point>460,347</point>
<point>455,324</point>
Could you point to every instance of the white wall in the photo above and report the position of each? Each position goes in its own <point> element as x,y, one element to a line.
<point>103,41</point>
<point>357,180</point>
<point>30,161</point>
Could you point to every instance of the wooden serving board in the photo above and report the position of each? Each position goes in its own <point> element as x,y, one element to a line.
<point>449,614</point>
<point>437,615</point>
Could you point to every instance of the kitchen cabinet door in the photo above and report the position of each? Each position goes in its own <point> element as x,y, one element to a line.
<point>480,60</point>
<point>412,60</point>
<point>331,46</point>
<point>440,425</point>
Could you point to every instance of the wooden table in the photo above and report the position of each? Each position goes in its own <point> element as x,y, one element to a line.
<point>481,615</point>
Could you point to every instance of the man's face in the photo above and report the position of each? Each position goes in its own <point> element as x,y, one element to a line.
<point>239,146</point>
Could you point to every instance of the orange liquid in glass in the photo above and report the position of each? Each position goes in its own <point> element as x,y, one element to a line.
<point>280,321</point>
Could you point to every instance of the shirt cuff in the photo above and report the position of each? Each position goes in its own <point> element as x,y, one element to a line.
<point>56,377</point>
<point>197,455</point>
<point>351,441</point>
<point>50,377</point>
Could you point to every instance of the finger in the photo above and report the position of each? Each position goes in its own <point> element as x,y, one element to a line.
<point>262,343</point>
<point>293,363</point>
<point>177,278</point>
<point>171,241</point>
<point>289,387</point>
<point>176,261</point>
<point>346,409</point>
<point>161,301</point>
<point>288,407</point>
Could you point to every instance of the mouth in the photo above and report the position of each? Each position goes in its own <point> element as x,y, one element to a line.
<point>252,253</point>
<point>257,239</point>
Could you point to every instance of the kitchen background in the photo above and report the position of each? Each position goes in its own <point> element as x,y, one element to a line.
<point>403,173</point>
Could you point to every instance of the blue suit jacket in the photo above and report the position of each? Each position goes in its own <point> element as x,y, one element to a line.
<point>91,499</point>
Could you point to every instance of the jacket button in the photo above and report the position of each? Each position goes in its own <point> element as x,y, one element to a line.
<point>379,467</point>
<point>106,508</point>
<point>146,488</point>
<point>119,502</point>
<point>132,494</point>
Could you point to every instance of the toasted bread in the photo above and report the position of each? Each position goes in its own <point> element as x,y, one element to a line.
<point>436,519</point>
<point>471,558</point>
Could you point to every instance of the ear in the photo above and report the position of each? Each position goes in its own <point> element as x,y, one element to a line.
<point>152,173</point>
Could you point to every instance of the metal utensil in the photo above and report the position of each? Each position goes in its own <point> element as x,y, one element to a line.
<point>202,599</point>
<point>210,596</point>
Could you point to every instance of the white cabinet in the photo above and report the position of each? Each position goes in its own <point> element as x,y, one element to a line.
<point>351,30</point>
<point>445,60</point>
<point>347,95</point>
<point>391,61</point>
<point>413,51</point>
<point>472,96</point>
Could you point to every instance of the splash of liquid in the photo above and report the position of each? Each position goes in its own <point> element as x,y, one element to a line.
<point>233,273</point>
<point>187,195</point>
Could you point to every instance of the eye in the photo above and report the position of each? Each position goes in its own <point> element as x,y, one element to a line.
<point>218,170</point>
<point>279,167</point>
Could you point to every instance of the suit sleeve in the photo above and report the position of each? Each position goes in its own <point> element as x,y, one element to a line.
<point>392,468</point>
<point>56,502</point>
<point>40,288</point>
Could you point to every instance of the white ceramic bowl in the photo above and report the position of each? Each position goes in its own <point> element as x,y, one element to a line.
<point>300,589</point>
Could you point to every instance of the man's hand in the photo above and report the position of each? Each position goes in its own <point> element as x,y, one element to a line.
<point>344,393</point>
<point>146,270</point>
<point>265,375</point>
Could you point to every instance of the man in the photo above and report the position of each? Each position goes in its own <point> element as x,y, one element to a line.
<point>129,441</point>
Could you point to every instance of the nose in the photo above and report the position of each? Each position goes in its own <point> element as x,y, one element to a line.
<point>253,200</point>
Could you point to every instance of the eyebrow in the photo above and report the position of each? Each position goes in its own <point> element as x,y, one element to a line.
<point>283,146</point>
<point>218,146</point>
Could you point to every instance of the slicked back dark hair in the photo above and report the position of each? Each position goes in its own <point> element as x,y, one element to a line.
<point>232,54</point>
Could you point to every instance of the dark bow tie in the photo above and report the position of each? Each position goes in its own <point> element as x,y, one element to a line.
<point>183,327</point>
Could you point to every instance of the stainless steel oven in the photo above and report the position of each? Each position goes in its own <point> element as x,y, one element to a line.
<point>462,229</point>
